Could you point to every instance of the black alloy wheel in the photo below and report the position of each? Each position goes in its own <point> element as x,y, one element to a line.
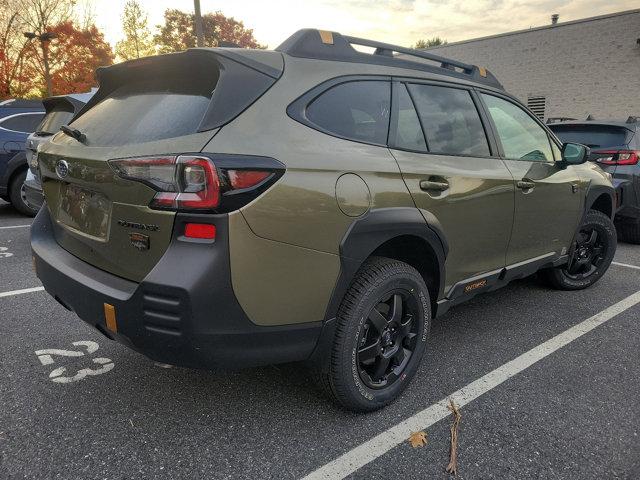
<point>388,339</point>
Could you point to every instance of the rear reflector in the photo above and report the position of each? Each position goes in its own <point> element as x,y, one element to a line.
<point>200,230</point>
<point>110,317</point>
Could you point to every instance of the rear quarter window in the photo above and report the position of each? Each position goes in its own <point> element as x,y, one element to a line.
<point>357,110</point>
<point>22,122</point>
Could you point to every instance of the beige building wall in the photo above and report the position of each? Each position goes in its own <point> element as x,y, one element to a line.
<point>588,66</point>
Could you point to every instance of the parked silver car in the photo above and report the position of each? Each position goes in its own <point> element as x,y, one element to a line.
<point>60,110</point>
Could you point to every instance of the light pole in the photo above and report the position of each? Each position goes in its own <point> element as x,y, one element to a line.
<point>198,18</point>
<point>44,38</point>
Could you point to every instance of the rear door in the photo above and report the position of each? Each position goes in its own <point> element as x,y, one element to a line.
<point>547,201</point>
<point>446,160</point>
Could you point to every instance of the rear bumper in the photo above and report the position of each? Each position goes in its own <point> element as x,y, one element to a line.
<point>183,313</point>
<point>33,191</point>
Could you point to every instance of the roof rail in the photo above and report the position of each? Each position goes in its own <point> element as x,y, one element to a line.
<point>325,45</point>
<point>559,119</point>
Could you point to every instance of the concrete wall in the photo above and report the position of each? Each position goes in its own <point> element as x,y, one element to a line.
<point>589,66</point>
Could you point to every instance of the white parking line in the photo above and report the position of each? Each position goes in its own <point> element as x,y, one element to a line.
<point>385,441</point>
<point>625,265</point>
<point>15,226</point>
<point>20,292</point>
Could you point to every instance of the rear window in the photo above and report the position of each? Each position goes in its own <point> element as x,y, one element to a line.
<point>52,121</point>
<point>22,122</point>
<point>354,110</point>
<point>146,110</point>
<point>594,136</point>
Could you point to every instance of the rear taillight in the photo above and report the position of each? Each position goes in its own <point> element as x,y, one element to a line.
<point>616,157</point>
<point>193,182</point>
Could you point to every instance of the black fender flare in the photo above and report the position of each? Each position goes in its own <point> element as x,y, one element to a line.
<point>362,238</point>
<point>371,231</point>
<point>594,192</point>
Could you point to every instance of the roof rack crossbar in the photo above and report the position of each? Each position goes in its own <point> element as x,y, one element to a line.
<point>383,48</point>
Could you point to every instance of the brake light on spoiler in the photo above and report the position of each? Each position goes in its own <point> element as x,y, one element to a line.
<point>215,184</point>
<point>617,157</point>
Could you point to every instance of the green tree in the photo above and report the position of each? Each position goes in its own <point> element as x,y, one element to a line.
<point>178,31</point>
<point>137,40</point>
<point>431,42</point>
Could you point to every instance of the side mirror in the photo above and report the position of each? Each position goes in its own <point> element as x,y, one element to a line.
<point>574,153</point>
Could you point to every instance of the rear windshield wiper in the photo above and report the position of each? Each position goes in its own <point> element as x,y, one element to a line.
<point>74,133</point>
<point>42,133</point>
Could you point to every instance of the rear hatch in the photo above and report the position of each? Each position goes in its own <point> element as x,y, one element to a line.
<point>159,107</point>
<point>607,141</point>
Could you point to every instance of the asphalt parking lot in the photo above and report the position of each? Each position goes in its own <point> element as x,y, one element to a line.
<point>568,409</point>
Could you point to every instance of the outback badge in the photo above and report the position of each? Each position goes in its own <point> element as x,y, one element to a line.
<point>139,240</point>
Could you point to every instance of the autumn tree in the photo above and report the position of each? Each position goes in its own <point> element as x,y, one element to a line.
<point>431,42</point>
<point>137,40</point>
<point>178,31</point>
<point>13,48</point>
<point>75,55</point>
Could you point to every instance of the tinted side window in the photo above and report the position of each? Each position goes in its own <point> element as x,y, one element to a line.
<point>450,120</point>
<point>354,110</point>
<point>22,122</point>
<point>521,136</point>
<point>407,130</point>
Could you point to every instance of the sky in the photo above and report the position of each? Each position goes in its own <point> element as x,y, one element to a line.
<point>401,22</point>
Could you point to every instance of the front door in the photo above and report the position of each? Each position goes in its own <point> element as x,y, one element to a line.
<point>547,203</point>
<point>446,162</point>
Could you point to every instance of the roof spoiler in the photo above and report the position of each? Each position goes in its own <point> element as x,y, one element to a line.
<point>325,45</point>
<point>241,78</point>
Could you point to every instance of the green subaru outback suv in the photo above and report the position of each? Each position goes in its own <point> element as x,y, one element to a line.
<point>228,207</point>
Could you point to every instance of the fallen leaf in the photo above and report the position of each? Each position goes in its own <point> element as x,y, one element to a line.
<point>418,439</point>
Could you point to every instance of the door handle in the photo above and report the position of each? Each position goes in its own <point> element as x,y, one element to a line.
<point>525,184</point>
<point>434,186</point>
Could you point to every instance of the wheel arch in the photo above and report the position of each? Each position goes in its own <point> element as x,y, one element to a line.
<point>398,233</point>
<point>15,166</point>
<point>601,198</point>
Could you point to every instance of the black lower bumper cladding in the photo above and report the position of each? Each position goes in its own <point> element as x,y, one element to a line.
<point>183,313</point>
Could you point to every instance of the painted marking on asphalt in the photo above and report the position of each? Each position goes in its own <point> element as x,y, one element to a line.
<point>367,452</point>
<point>15,226</point>
<point>625,265</point>
<point>4,253</point>
<point>20,292</point>
<point>57,375</point>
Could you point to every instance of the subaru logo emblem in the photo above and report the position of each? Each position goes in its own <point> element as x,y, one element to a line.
<point>62,168</point>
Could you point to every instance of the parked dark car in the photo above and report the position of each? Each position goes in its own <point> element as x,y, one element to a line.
<point>18,118</point>
<point>615,147</point>
<point>60,110</point>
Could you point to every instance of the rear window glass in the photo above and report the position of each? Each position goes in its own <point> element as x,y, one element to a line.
<point>52,121</point>
<point>450,120</point>
<point>594,136</point>
<point>23,122</point>
<point>355,110</point>
<point>408,132</point>
<point>147,110</point>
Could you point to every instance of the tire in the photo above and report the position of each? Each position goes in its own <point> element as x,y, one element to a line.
<point>352,379</point>
<point>592,255</point>
<point>17,195</point>
<point>628,231</point>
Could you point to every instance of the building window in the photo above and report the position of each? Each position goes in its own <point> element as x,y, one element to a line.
<point>537,105</point>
